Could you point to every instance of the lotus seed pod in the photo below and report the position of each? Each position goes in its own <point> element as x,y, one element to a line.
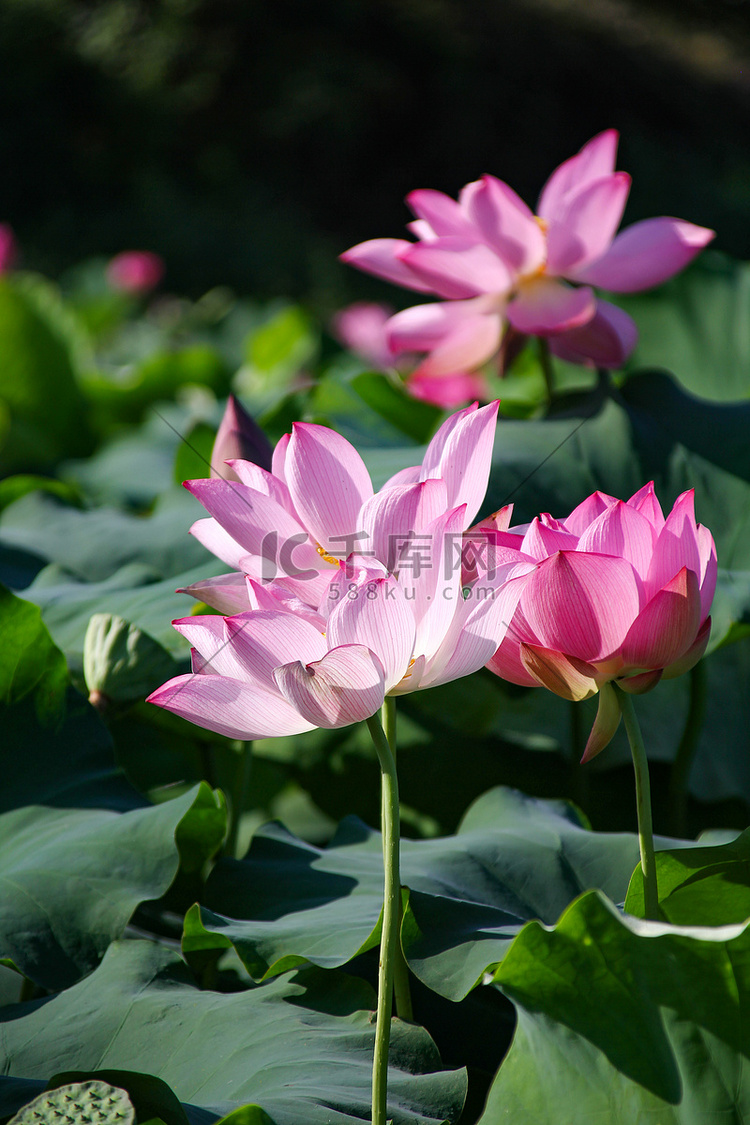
<point>83,1103</point>
<point>121,663</point>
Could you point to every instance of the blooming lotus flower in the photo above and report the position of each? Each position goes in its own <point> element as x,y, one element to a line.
<point>492,259</point>
<point>296,524</point>
<point>8,248</point>
<point>612,593</point>
<point>276,671</point>
<point>135,271</point>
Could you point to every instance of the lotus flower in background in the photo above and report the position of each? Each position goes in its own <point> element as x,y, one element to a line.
<point>8,248</point>
<point>135,271</point>
<point>296,524</point>
<point>362,327</point>
<point>491,260</point>
<point>386,616</point>
<point>614,592</point>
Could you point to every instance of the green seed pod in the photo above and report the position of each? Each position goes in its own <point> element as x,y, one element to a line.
<point>120,662</point>
<point>83,1103</point>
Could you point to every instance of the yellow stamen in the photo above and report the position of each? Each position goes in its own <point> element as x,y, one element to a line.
<point>328,558</point>
<point>543,224</point>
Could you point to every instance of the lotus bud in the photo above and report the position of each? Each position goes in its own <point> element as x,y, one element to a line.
<point>239,438</point>
<point>121,663</point>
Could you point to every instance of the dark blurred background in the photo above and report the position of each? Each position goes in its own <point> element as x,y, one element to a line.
<point>251,141</point>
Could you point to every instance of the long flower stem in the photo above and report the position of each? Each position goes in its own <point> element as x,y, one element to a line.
<point>548,371</point>
<point>239,793</point>
<point>643,803</point>
<point>402,989</point>
<point>389,939</point>
<point>580,774</point>
<point>680,772</point>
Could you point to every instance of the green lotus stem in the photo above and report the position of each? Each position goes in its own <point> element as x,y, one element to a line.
<point>239,793</point>
<point>389,939</point>
<point>580,774</point>
<point>548,371</point>
<point>678,777</point>
<point>643,803</point>
<point>402,988</point>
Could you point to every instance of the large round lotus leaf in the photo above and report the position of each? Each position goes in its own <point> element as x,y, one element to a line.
<point>299,1046</point>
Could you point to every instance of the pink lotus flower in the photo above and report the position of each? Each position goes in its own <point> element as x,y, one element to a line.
<point>135,271</point>
<point>8,248</point>
<point>287,665</point>
<point>493,260</point>
<point>363,326</point>
<point>272,672</point>
<point>317,507</point>
<point>612,593</point>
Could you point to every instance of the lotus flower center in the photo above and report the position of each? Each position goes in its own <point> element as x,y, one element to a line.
<point>328,558</point>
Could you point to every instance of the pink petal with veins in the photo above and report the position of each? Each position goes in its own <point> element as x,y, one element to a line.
<point>261,640</point>
<point>667,626</point>
<point>587,511</point>
<point>621,530</point>
<point>230,707</point>
<point>225,592</point>
<point>248,517</point>
<point>394,514</point>
<point>690,658</point>
<point>344,687</point>
<point>461,454</point>
<point>379,617</point>
<point>582,605</point>
<point>328,483</point>
<point>219,542</point>
<point>646,501</point>
<point>541,541</point>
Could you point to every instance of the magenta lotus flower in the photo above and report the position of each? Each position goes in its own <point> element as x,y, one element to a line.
<point>612,593</point>
<point>8,248</point>
<point>296,524</point>
<point>135,271</point>
<point>492,259</point>
<point>283,668</point>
